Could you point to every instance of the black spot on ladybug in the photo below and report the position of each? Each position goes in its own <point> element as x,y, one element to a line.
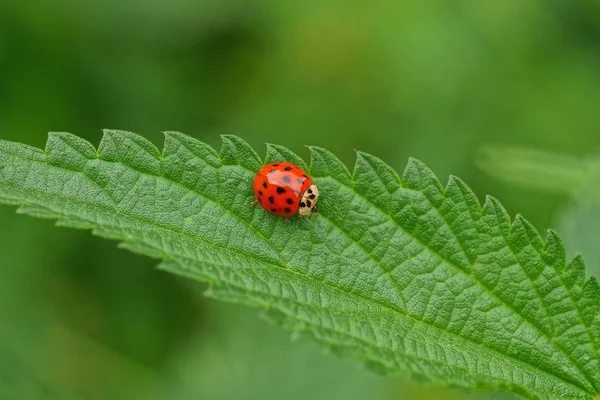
<point>288,168</point>
<point>287,210</point>
<point>287,179</point>
<point>265,185</point>
<point>280,190</point>
<point>275,165</point>
<point>303,204</point>
<point>289,201</point>
<point>300,181</point>
<point>312,196</point>
<point>271,199</point>
<point>260,200</point>
<point>260,193</point>
<point>309,190</point>
<point>271,171</point>
<point>273,209</point>
<point>304,175</point>
<point>308,203</point>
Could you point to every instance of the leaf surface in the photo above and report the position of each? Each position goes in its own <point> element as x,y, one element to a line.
<point>399,272</point>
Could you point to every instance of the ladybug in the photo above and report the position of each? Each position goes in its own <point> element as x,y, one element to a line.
<point>283,189</point>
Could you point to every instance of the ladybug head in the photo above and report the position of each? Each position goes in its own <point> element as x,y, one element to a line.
<point>308,204</point>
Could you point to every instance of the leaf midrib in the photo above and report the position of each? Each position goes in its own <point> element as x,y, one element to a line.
<point>382,308</point>
<point>345,290</point>
<point>183,271</point>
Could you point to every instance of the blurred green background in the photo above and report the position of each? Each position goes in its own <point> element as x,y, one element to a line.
<point>504,94</point>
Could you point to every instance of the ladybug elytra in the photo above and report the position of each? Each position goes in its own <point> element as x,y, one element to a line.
<point>283,189</point>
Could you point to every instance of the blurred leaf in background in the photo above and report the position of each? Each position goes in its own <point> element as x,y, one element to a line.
<point>435,80</point>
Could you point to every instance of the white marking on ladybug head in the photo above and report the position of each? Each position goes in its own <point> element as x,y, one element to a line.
<point>308,204</point>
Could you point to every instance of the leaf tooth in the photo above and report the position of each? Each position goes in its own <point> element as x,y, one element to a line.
<point>280,319</point>
<point>138,247</point>
<point>281,153</point>
<point>69,151</point>
<point>236,151</point>
<point>185,269</point>
<point>7,201</point>
<point>82,146</point>
<point>574,274</point>
<point>367,164</point>
<point>418,176</point>
<point>554,251</point>
<point>131,138</point>
<point>37,211</point>
<point>376,181</point>
<point>228,294</point>
<point>130,149</point>
<point>177,142</point>
<point>595,331</point>
<point>589,307</point>
<point>526,243</point>
<point>492,208</point>
<point>324,163</point>
<point>460,192</point>
<point>74,223</point>
<point>533,236</point>
<point>591,290</point>
<point>108,232</point>
<point>23,150</point>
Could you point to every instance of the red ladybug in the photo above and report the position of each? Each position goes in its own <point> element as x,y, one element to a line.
<point>284,189</point>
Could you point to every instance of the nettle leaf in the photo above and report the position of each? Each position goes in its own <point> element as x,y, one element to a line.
<point>400,272</point>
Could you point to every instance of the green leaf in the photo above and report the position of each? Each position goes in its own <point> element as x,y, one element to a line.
<point>404,274</point>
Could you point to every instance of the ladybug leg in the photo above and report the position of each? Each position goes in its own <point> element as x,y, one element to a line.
<point>253,203</point>
<point>287,220</point>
